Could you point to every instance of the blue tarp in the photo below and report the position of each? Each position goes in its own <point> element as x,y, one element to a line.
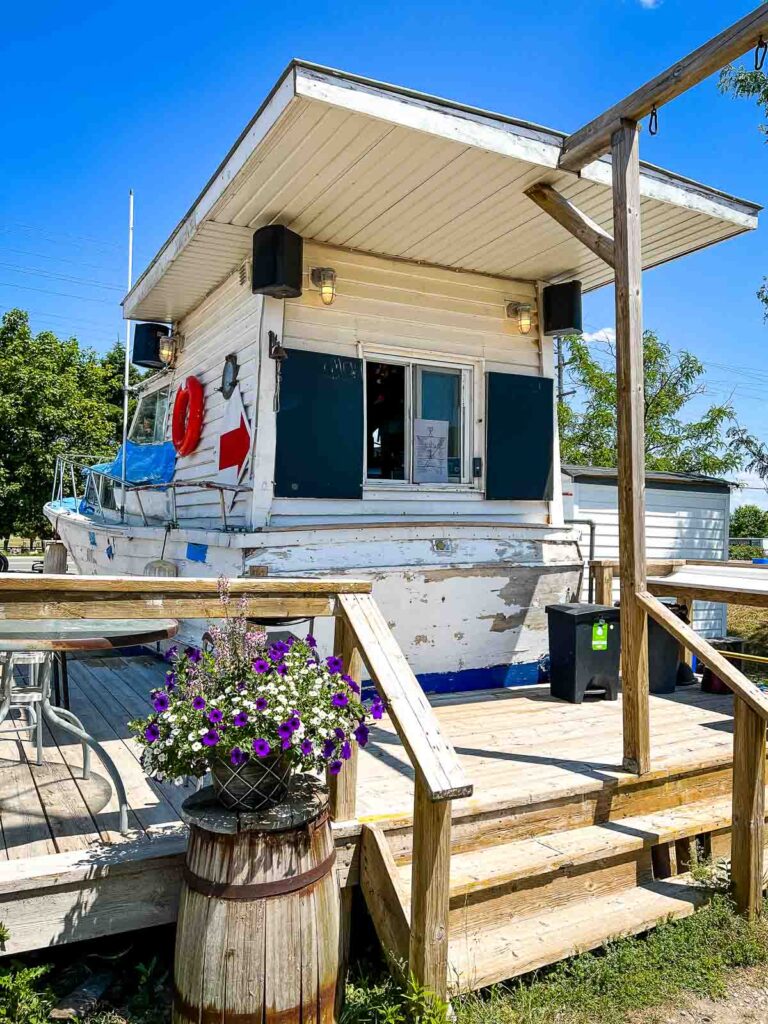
<point>144,463</point>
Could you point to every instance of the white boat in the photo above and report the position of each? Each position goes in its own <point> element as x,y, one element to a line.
<point>377,397</point>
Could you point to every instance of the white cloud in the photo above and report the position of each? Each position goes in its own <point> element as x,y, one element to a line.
<point>603,334</point>
<point>650,4</point>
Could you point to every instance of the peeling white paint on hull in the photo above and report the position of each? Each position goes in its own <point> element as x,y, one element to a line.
<point>466,601</point>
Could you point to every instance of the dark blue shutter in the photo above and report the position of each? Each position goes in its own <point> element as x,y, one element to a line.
<point>519,437</point>
<point>320,427</point>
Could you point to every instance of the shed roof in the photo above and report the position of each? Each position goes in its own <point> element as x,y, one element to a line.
<point>609,474</point>
<point>375,167</point>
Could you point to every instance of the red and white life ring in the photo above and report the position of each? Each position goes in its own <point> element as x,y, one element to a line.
<point>187,423</point>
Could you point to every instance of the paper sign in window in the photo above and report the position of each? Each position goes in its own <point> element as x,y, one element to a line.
<point>430,451</point>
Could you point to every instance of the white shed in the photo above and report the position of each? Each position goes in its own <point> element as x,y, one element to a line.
<point>687,516</point>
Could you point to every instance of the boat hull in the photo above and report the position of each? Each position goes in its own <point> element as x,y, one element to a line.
<point>466,601</point>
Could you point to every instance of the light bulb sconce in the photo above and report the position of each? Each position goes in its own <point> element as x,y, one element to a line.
<point>324,279</point>
<point>168,346</point>
<point>520,311</point>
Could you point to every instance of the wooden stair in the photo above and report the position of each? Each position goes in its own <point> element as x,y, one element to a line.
<point>518,905</point>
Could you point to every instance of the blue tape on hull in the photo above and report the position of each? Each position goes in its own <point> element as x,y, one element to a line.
<point>469,679</point>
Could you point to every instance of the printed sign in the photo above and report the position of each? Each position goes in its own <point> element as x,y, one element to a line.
<point>430,451</point>
<point>600,635</point>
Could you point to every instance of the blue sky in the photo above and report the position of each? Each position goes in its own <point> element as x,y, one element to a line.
<point>101,97</point>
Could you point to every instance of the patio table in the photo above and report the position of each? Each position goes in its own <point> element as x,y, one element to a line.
<point>65,635</point>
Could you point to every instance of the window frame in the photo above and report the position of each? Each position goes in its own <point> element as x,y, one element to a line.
<point>142,396</point>
<point>470,375</point>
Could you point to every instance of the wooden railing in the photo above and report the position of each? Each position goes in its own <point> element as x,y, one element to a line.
<point>749,730</point>
<point>363,638</point>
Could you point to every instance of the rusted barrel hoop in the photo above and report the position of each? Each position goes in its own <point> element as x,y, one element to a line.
<point>260,890</point>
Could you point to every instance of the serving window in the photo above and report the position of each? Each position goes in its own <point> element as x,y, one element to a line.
<point>148,426</point>
<point>417,422</point>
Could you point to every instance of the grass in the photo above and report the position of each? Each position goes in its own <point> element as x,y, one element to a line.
<point>696,956</point>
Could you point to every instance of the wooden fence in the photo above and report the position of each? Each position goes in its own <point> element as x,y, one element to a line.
<point>363,638</point>
<point>750,715</point>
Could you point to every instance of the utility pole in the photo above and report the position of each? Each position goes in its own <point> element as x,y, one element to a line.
<point>561,362</point>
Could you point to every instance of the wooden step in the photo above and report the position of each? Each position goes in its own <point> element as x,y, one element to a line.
<point>483,871</point>
<point>515,945</point>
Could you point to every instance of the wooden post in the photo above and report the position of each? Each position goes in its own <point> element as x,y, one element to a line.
<point>631,445</point>
<point>603,576</point>
<point>748,808</point>
<point>343,787</point>
<point>686,655</point>
<point>428,951</point>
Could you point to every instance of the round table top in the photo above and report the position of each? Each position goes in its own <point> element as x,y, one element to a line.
<point>82,634</point>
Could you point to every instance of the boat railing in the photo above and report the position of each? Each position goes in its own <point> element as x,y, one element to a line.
<point>93,490</point>
<point>363,639</point>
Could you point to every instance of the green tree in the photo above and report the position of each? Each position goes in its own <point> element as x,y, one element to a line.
<point>749,521</point>
<point>746,83</point>
<point>672,443</point>
<point>55,398</point>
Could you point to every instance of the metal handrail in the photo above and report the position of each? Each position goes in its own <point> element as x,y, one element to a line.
<point>66,467</point>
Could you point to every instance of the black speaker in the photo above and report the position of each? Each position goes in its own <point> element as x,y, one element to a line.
<point>562,308</point>
<point>146,345</point>
<point>277,254</point>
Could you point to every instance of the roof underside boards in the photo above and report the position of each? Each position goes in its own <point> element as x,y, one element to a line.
<point>373,168</point>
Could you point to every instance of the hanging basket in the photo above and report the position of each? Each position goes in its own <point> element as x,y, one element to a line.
<point>253,786</point>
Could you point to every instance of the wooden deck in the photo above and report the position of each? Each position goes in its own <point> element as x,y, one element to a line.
<point>67,874</point>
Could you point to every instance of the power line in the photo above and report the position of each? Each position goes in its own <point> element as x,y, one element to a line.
<point>47,256</point>
<point>63,295</point>
<point>60,277</point>
<point>39,314</point>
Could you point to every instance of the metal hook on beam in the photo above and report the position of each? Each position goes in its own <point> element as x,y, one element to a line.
<point>760,51</point>
<point>653,121</point>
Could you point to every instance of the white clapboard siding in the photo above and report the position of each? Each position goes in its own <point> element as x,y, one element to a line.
<point>226,322</point>
<point>680,522</point>
<point>391,305</point>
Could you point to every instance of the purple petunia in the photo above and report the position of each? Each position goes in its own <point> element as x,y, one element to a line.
<point>160,701</point>
<point>170,680</point>
<point>346,750</point>
<point>361,734</point>
<point>171,653</point>
<point>290,641</point>
<point>354,687</point>
<point>198,703</point>
<point>310,640</point>
<point>261,748</point>
<point>294,721</point>
<point>339,733</point>
<point>210,739</point>
<point>237,757</point>
<point>194,654</point>
<point>279,647</point>
<point>261,666</point>
<point>215,716</point>
<point>262,703</point>
<point>334,663</point>
<point>339,700</point>
<point>151,733</point>
<point>281,669</point>
<point>334,767</point>
<point>284,731</point>
<point>241,718</point>
<point>306,747</point>
<point>329,748</point>
<point>377,708</point>
<point>286,744</point>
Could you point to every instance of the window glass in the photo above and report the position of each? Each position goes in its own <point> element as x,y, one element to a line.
<point>438,397</point>
<point>148,425</point>
<point>385,420</point>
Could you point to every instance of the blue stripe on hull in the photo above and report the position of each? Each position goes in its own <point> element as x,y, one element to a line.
<point>481,678</point>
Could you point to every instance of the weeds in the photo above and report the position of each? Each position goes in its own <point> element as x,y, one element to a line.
<point>384,1000</point>
<point>23,1000</point>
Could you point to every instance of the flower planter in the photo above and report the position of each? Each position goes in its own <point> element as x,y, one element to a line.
<point>257,784</point>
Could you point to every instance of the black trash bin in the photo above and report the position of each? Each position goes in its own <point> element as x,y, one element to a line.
<point>663,659</point>
<point>584,646</point>
<point>710,681</point>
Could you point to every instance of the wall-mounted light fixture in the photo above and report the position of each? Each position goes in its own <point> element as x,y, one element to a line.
<point>521,311</point>
<point>166,350</point>
<point>324,279</point>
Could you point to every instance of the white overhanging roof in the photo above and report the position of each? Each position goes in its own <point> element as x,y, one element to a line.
<point>368,166</point>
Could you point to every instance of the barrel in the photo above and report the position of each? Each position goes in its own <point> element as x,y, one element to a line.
<point>258,930</point>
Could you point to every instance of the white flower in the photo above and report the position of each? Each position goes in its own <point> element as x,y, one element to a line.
<point>197,746</point>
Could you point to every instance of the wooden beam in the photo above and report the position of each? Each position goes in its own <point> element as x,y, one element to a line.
<point>748,808</point>
<point>430,890</point>
<point>631,446</point>
<point>735,680</point>
<point>384,897</point>
<point>594,139</point>
<point>343,787</point>
<point>572,219</point>
<point>437,765</point>
<point>603,577</point>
